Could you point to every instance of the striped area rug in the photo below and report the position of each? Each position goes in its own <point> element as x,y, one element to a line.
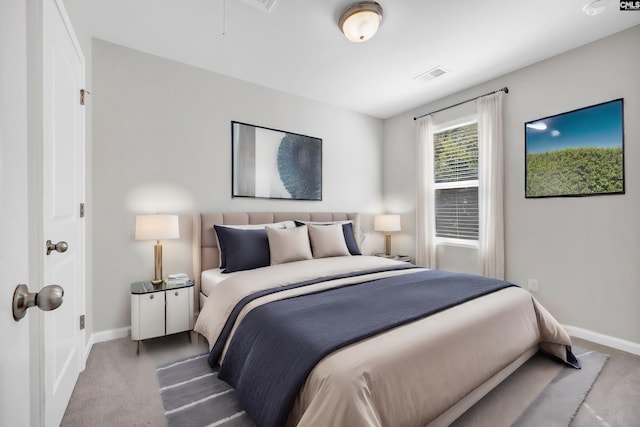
<point>193,396</point>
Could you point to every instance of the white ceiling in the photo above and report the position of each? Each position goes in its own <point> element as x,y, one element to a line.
<point>297,47</point>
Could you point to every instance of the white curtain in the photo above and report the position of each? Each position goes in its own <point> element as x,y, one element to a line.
<point>425,209</point>
<point>490,191</point>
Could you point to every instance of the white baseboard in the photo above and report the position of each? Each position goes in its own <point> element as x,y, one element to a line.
<point>102,336</point>
<point>607,340</point>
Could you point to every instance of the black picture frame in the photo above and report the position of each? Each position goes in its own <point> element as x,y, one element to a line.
<point>274,164</point>
<point>576,153</point>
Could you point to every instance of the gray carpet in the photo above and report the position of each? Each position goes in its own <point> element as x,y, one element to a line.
<point>193,395</point>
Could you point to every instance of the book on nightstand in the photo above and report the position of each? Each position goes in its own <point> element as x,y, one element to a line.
<point>177,279</point>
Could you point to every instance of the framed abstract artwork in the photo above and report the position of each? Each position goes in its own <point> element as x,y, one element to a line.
<point>274,164</point>
<point>577,153</point>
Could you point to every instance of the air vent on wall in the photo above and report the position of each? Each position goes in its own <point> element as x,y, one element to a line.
<point>264,5</point>
<point>431,74</point>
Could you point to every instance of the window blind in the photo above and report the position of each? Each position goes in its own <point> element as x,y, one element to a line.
<point>456,154</point>
<point>457,213</point>
<point>456,182</point>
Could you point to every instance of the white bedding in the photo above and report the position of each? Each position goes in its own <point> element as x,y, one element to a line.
<point>209,279</point>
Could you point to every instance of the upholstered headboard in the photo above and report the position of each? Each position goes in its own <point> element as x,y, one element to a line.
<point>205,245</point>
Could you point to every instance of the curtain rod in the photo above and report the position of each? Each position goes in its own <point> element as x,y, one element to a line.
<point>504,89</point>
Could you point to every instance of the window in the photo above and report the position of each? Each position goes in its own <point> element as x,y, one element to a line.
<point>455,165</point>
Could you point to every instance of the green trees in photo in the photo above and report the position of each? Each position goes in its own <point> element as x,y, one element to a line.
<point>574,171</point>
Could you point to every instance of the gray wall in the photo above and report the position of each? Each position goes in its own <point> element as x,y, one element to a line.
<point>162,143</point>
<point>584,251</point>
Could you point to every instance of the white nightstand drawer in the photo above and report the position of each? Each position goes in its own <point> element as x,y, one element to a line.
<point>147,315</point>
<point>179,310</point>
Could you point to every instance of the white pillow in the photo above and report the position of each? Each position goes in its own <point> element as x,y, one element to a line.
<point>288,244</point>
<point>348,231</point>
<point>327,240</point>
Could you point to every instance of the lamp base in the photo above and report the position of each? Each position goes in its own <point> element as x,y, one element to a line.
<point>387,244</point>
<point>157,252</point>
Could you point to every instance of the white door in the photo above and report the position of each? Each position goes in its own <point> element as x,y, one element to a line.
<point>41,355</point>
<point>14,355</point>
<point>63,192</point>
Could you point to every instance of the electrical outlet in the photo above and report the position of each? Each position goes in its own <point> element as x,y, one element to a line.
<point>533,285</point>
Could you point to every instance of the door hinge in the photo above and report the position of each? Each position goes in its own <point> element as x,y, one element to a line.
<point>81,210</point>
<point>82,322</point>
<point>83,92</point>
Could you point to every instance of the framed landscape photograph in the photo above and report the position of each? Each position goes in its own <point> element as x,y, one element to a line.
<point>274,164</point>
<point>577,153</point>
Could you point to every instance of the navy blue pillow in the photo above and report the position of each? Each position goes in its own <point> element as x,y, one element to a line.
<point>349,237</point>
<point>242,249</point>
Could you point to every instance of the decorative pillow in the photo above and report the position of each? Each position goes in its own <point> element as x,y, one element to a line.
<point>289,244</point>
<point>347,229</point>
<point>243,249</point>
<point>222,261</point>
<point>350,239</point>
<point>327,241</point>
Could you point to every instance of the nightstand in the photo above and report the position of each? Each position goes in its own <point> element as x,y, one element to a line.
<point>159,310</point>
<point>405,258</point>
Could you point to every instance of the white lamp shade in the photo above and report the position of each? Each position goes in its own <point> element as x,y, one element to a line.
<point>360,22</point>
<point>157,227</point>
<point>387,223</point>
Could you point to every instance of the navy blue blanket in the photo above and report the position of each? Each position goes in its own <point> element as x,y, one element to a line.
<point>216,350</point>
<point>278,344</point>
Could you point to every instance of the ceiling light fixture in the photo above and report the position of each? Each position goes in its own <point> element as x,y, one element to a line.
<point>594,7</point>
<point>359,22</point>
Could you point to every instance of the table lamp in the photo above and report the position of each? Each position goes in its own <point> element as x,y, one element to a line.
<point>157,227</point>
<point>387,223</point>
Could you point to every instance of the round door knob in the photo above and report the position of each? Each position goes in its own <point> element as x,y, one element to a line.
<point>60,247</point>
<point>150,296</point>
<point>49,298</point>
<point>176,293</point>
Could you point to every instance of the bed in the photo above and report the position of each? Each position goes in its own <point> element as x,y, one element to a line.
<point>423,371</point>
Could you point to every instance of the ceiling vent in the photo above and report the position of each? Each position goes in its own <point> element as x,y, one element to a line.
<point>263,5</point>
<point>431,74</point>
